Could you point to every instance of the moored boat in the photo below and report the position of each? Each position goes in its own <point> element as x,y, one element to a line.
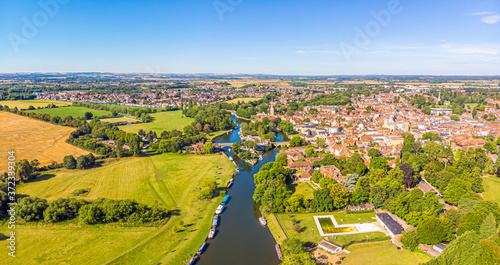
<point>192,260</point>
<point>202,248</point>
<point>278,251</point>
<point>215,221</point>
<point>263,221</point>
<point>229,185</point>
<point>224,201</point>
<point>211,234</point>
<point>219,209</point>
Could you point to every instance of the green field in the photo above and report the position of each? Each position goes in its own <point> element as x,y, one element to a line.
<point>72,111</point>
<point>244,100</point>
<point>303,188</point>
<point>491,188</point>
<point>169,178</point>
<point>162,121</point>
<point>310,231</point>
<point>24,104</point>
<point>383,253</point>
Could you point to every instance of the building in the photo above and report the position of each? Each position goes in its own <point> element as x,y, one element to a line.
<point>364,206</point>
<point>332,172</point>
<point>438,111</point>
<point>439,247</point>
<point>389,223</point>
<point>329,247</point>
<point>302,165</point>
<point>307,175</point>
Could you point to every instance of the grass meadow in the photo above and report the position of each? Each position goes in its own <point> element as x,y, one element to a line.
<point>72,111</point>
<point>244,100</point>
<point>24,104</point>
<point>169,178</point>
<point>32,139</point>
<point>162,121</point>
<point>383,253</point>
<point>491,188</point>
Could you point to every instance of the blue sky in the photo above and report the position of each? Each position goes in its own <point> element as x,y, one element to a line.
<point>316,37</point>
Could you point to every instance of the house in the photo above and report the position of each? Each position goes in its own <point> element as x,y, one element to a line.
<point>294,155</point>
<point>302,165</point>
<point>198,148</point>
<point>307,175</point>
<point>364,206</point>
<point>389,223</point>
<point>439,247</point>
<point>333,172</point>
<point>329,247</point>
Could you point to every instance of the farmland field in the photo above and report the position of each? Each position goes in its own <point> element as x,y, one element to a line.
<point>244,100</point>
<point>383,253</point>
<point>24,104</point>
<point>169,178</point>
<point>491,188</point>
<point>120,119</point>
<point>71,111</point>
<point>162,121</point>
<point>32,139</point>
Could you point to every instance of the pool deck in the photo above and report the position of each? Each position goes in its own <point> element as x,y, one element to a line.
<point>360,228</point>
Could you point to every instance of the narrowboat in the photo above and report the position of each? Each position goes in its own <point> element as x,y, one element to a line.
<point>192,260</point>
<point>212,233</point>
<point>219,210</point>
<point>215,221</point>
<point>278,251</point>
<point>229,185</point>
<point>224,202</point>
<point>263,221</point>
<point>202,248</point>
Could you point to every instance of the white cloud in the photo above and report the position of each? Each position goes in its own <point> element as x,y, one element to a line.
<point>300,52</point>
<point>482,13</point>
<point>491,19</point>
<point>488,17</point>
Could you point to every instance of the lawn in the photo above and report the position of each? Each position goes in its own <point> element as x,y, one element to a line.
<point>72,111</point>
<point>491,188</point>
<point>243,100</point>
<point>311,233</point>
<point>162,121</point>
<point>383,253</point>
<point>32,139</point>
<point>24,104</point>
<point>303,188</point>
<point>169,178</point>
<point>69,245</point>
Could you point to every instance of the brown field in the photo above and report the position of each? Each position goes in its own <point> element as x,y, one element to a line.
<point>32,139</point>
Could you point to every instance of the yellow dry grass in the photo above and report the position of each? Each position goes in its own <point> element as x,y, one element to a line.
<point>32,139</point>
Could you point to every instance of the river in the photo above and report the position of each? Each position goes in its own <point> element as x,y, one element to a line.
<point>240,239</point>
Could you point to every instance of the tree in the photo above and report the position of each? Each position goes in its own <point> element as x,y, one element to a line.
<point>490,147</point>
<point>296,141</point>
<point>23,170</point>
<point>90,214</point>
<point>322,201</point>
<point>82,162</point>
<point>69,162</point>
<point>452,215</point>
<point>433,230</point>
<point>340,195</point>
<point>30,209</point>
<point>361,169</point>
<point>321,142</point>
<point>410,239</point>
<point>374,152</point>
<point>378,163</point>
<point>88,115</point>
<point>351,180</point>
<point>236,147</point>
<point>408,180</point>
<point>454,118</point>
<point>208,187</point>
<point>476,180</point>
<point>454,191</point>
<point>488,227</point>
<point>470,221</point>
<point>316,176</point>
<point>208,147</point>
